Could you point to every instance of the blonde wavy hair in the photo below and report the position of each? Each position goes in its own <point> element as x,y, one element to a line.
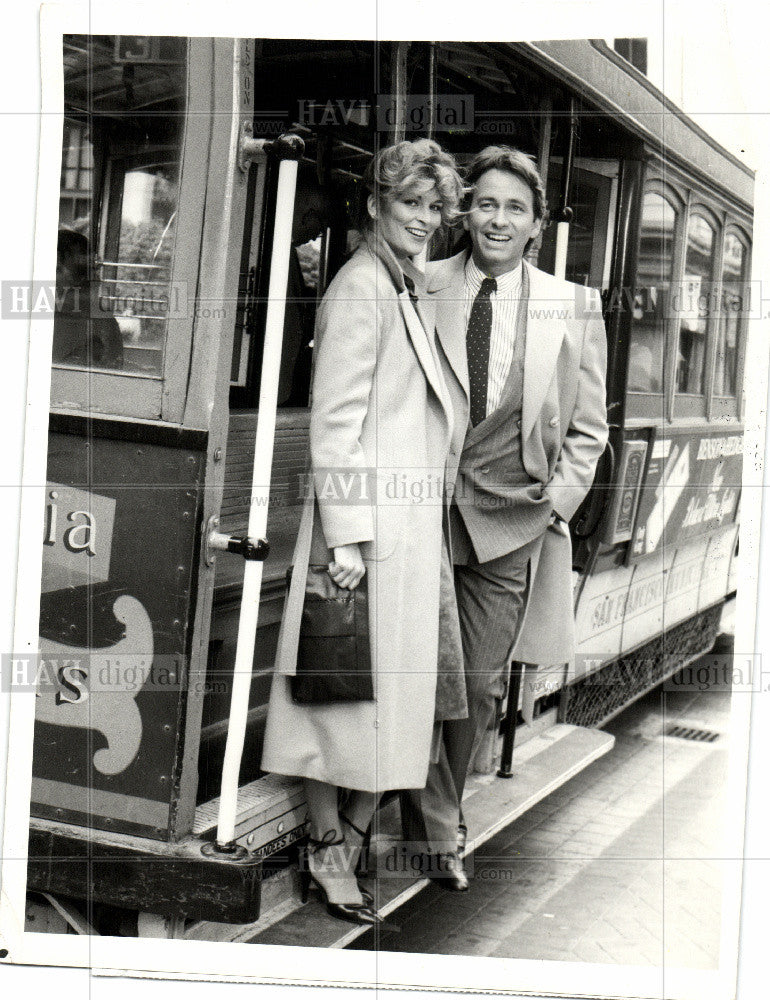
<point>396,168</point>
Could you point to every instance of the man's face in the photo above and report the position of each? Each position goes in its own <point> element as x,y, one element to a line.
<point>501,221</point>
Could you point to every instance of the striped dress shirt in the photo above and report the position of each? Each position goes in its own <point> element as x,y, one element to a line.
<point>505,307</point>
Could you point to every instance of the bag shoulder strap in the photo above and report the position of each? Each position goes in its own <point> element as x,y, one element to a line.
<point>288,635</point>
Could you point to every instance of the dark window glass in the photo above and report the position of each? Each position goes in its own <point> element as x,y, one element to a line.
<point>691,305</point>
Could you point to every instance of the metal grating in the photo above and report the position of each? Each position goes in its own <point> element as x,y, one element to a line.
<point>594,699</point>
<point>688,733</point>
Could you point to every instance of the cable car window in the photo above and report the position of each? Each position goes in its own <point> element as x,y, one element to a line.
<point>592,200</point>
<point>693,309</point>
<point>324,235</point>
<point>653,284</point>
<point>124,100</point>
<point>728,334</point>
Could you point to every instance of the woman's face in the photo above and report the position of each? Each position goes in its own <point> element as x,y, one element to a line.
<point>408,222</point>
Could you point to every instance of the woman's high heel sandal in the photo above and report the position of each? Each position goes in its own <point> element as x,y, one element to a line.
<point>356,913</point>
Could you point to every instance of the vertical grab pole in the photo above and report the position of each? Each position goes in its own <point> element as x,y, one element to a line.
<point>509,723</point>
<point>289,150</point>
<point>564,215</point>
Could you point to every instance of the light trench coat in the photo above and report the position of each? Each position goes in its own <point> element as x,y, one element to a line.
<point>380,430</point>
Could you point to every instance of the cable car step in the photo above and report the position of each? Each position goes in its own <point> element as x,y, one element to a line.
<point>271,815</point>
<point>540,766</point>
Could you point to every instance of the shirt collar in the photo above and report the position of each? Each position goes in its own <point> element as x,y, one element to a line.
<point>508,284</point>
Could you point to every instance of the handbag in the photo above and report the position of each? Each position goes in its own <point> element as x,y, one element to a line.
<point>333,654</point>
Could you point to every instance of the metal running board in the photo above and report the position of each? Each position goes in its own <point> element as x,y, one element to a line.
<point>540,766</point>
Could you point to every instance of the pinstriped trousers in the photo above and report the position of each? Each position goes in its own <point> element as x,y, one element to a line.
<point>490,598</point>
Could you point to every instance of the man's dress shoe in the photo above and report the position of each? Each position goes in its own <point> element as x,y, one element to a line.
<point>449,872</point>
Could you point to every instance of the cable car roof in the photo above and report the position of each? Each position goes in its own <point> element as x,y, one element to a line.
<point>613,85</point>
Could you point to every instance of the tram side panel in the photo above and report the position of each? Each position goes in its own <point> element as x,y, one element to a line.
<point>119,571</point>
<point>654,599</point>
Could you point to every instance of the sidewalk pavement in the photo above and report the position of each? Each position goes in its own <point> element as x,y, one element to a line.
<point>622,865</point>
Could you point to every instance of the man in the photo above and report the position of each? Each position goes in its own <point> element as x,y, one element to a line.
<point>524,360</point>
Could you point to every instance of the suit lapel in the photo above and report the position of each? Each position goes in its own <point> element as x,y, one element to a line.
<point>447,289</point>
<point>544,340</point>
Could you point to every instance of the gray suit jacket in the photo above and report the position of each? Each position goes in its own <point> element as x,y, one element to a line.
<point>563,428</point>
<point>564,418</point>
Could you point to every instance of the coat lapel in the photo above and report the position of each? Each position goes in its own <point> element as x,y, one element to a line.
<point>418,334</point>
<point>544,339</point>
<point>422,347</point>
<point>425,306</point>
<point>446,287</point>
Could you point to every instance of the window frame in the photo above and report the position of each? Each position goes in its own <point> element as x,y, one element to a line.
<point>144,395</point>
<point>687,197</point>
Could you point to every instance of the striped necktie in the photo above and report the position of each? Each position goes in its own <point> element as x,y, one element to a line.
<point>477,346</point>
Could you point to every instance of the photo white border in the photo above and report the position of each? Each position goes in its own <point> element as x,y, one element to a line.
<point>386,20</point>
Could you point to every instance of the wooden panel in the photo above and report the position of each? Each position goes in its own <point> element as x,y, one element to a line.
<point>643,610</point>
<point>683,581</point>
<point>177,881</point>
<point>290,457</point>
<point>115,739</point>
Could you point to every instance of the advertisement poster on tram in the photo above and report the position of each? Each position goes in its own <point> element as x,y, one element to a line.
<point>693,485</point>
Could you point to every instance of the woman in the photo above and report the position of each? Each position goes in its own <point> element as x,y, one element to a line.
<point>379,407</point>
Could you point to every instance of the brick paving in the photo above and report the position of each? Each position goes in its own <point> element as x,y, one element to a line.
<point>622,865</point>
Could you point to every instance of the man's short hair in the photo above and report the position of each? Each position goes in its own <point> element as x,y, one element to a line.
<point>514,162</point>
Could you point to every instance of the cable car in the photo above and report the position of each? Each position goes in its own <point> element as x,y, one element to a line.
<point>207,196</point>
